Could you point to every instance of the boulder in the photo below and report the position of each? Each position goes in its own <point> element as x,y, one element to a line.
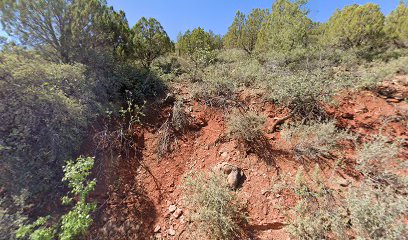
<point>233,174</point>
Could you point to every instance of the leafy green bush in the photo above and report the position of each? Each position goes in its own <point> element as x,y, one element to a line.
<point>45,109</point>
<point>313,140</point>
<point>77,221</point>
<point>215,209</point>
<point>357,26</point>
<point>247,127</point>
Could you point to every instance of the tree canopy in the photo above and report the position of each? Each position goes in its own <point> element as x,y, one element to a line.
<point>149,41</point>
<point>396,25</point>
<point>64,30</point>
<point>356,26</point>
<point>286,27</point>
<point>243,33</point>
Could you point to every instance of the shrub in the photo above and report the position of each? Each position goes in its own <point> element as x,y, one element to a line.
<point>247,127</point>
<point>214,93</point>
<point>215,209</point>
<point>375,161</point>
<point>318,214</point>
<point>77,221</point>
<point>357,27</point>
<point>378,206</point>
<point>313,140</point>
<point>377,213</point>
<point>45,109</point>
<point>179,117</point>
<point>302,92</point>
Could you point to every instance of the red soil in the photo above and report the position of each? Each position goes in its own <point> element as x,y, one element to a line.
<point>146,186</point>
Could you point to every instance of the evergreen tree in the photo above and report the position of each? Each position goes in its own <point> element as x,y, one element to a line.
<point>65,30</point>
<point>286,27</point>
<point>396,25</point>
<point>149,41</point>
<point>243,33</point>
<point>356,27</point>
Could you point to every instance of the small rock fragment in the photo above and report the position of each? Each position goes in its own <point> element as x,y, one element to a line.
<point>171,231</point>
<point>177,213</point>
<point>157,229</point>
<point>172,208</point>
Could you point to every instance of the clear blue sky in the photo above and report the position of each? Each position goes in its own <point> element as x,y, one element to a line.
<point>216,15</point>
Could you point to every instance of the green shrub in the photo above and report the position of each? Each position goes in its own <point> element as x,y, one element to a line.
<point>313,140</point>
<point>318,213</point>
<point>377,213</point>
<point>245,126</point>
<point>12,214</point>
<point>302,92</point>
<point>77,221</point>
<point>45,109</point>
<point>377,161</point>
<point>215,209</point>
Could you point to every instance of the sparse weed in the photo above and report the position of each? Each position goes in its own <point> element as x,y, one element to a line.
<point>377,213</point>
<point>313,140</point>
<point>247,127</point>
<point>318,214</point>
<point>179,117</point>
<point>216,210</point>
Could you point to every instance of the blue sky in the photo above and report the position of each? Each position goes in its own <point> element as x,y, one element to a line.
<point>216,15</point>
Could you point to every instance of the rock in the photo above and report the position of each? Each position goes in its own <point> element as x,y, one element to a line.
<point>234,178</point>
<point>347,116</point>
<point>157,229</point>
<point>393,100</point>
<point>224,155</point>
<point>171,231</point>
<point>172,208</point>
<point>177,213</point>
<point>234,175</point>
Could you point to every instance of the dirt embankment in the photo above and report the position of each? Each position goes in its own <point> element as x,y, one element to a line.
<point>141,198</point>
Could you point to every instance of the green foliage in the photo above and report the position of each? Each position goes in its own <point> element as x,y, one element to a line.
<point>65,30</point>
<point>247,127</point>
<point>318,214</point>
<point>149,41</point>
<point>12,214</point>
<point>315,139</point>
<point>199,46</point>
<point>36,230</point>
<point>377,213</point>
<point>77,221</point>
<point>286,27</point>
<point>301,91</point>
<point>215,209</point>
<point>356,27</point>
<point>396,25</point>
<point>44,110</point>
<point>375,161</point>
<point>198,39</point>
<point>243,33</point>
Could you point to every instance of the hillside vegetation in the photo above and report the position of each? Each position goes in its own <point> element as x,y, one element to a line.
<point>283,128</point>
